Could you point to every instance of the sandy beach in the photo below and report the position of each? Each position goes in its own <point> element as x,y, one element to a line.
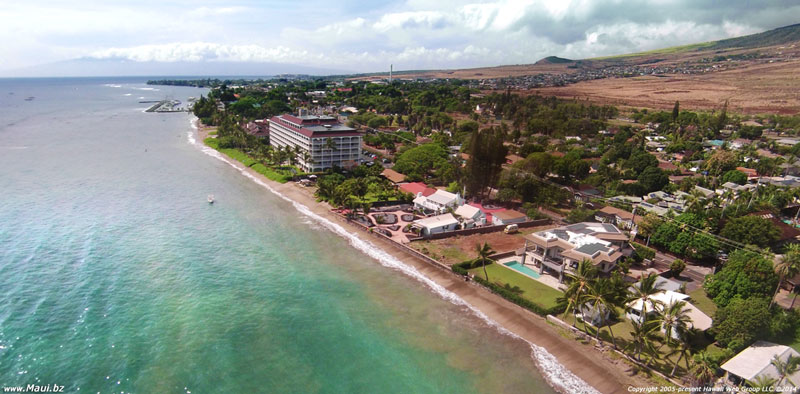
<point>601,370</point>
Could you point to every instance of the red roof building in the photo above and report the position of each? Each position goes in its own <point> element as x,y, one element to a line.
<point>417,187</point>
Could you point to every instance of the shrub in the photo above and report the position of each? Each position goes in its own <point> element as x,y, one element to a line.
<point>677,267</point>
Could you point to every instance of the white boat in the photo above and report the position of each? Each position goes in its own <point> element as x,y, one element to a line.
<point>210,198</point>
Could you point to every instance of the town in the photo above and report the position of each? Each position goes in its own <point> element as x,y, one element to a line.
<point>668,237</point>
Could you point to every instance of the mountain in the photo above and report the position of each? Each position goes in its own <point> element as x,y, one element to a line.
<point>779,36</point>
<point>554,60</point>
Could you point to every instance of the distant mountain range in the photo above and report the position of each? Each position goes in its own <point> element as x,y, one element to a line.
<point>90,67</point>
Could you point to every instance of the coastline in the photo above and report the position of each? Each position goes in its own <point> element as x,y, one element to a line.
<point>558,356</point>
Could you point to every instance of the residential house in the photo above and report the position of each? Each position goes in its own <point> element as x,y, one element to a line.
<point>258,128</point>
<point>416,189</point>
<point>508,216</point>
<point>472,216</point>
<point>637,309</point>
<point>438,202</point>
<point>393,176</point>
<point>561,249</point>
<point>436,224</point>
<point>751,173</point>
<point>321,142</point>
<point>619,217</point>
<point>756,361</point>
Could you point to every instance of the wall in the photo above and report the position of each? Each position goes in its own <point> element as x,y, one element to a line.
<point>483,230</point>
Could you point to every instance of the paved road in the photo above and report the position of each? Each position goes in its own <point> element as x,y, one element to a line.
<point>693,275</point>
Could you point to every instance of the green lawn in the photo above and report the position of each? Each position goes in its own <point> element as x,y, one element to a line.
<point>702,302</point>
<point>534,291</point>
<point>281,176</point>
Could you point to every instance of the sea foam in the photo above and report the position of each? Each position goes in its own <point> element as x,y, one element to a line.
<point>557,375</point>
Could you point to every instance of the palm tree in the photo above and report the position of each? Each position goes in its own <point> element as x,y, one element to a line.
<point>483,255</point>
<point>644,290</point>
<point>764,382</point>
<point>705,368</point>
<point>785,368</point>
<point>644,335</point>
<point>674,319</point>
<point>787,267</point>
<point>578,288</point>
<point>602,295</point>
<point>683,349</point>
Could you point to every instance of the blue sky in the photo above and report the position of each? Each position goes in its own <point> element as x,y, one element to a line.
<point>364,36</point>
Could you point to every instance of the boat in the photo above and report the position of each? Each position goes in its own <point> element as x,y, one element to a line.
<point>210,198</point>
<point>30,98</point>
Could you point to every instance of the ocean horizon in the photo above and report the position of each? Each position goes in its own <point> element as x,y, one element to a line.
<point>118,276</point>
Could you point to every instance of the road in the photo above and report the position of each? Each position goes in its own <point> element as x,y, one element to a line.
<point>693,275</point>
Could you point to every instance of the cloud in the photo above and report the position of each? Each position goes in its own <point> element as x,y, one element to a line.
<point>366,36</point>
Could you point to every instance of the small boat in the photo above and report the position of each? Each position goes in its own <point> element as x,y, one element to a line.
<point>30,98</point>
<point>210,198</point>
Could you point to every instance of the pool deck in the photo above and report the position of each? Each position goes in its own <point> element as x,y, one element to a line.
<point>543,278</point>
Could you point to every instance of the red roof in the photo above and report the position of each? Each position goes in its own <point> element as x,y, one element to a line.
<point>487,211</point>
<point>665,165</point>
<point>417,187</point>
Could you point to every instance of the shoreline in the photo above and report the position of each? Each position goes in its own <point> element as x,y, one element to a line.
<point>558,357</point>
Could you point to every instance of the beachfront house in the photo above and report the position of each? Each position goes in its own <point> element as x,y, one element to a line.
<point>471,215</point>
<point>435,224</point>
<point>756,361</point>
<point>438,202</point>
<point>320,142</point>
<point>560,250</point>
<point>637,309</point>
<point>508,216</point>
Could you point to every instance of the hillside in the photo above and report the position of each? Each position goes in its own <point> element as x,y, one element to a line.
<point>758,73</point>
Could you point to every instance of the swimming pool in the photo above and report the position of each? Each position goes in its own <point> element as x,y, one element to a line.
<point>515,265</point>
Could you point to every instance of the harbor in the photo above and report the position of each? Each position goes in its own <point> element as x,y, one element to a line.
<point>165,106</point>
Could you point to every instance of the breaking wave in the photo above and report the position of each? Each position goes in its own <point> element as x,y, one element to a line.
<point>557,375</point>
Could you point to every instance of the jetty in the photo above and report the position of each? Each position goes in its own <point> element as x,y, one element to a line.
<point>166,106</point>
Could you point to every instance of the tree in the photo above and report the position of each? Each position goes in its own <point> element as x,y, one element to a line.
<point>705,368</point>
<point>734,176</point>
<point>483,256</point>
<point>418,161</point>
<point>653,179</point>
<point>674,320</point>
<point>677,267</point>
<point>675,111</point>
<point>741,322</point>
<point>643,337</point>
<point>487,155</point>
<point>787,267</point>
<point>785,368</point>
<point>751,230</point>
<point>745,274</point>
<point>578,289</point>
<point>604,295</point>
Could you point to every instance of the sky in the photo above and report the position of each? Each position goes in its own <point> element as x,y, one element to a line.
<point>38,36</point>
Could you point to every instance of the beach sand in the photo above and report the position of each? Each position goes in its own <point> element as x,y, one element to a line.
<point>599,369</point>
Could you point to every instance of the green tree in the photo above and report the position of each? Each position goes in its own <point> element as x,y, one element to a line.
<point>417,162</point>
<point>785,368</point>
<point>734,176</point>
<point>578,290</point>
<point>741,322</point>
<point>677,267</point>
<point>751,230</point>
<point>705,367</point>
<point>787,267</point>
<point>643,338</point>
<point>675,111</point>
<point>745,274</point>
<point>644,290</point>
<point>653,179</point>
<point>483,251</point>
<point>487,155</point>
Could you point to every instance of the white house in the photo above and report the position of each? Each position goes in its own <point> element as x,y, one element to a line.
<point>472,216</point>
<point>561,249</point>
<point>756,361</point>
<point>509,216</point>
<point>436,224</point>
<point>663,300</point>
<point>439,201</point>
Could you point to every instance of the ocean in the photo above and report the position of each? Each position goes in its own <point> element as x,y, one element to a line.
<point>117,276</point>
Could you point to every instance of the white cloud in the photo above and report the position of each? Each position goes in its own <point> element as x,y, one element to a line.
<point>205,51</point>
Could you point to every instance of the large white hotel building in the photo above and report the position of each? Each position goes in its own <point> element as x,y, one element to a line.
<point>311,134</point>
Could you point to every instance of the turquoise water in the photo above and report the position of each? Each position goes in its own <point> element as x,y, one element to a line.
<point>116,275</point>
<point>515,265</point>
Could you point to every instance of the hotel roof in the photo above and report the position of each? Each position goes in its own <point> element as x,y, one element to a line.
<point>314,126</point>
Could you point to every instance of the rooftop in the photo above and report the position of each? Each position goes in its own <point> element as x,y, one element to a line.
<point>757,360</point>
<point>437,221</point>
